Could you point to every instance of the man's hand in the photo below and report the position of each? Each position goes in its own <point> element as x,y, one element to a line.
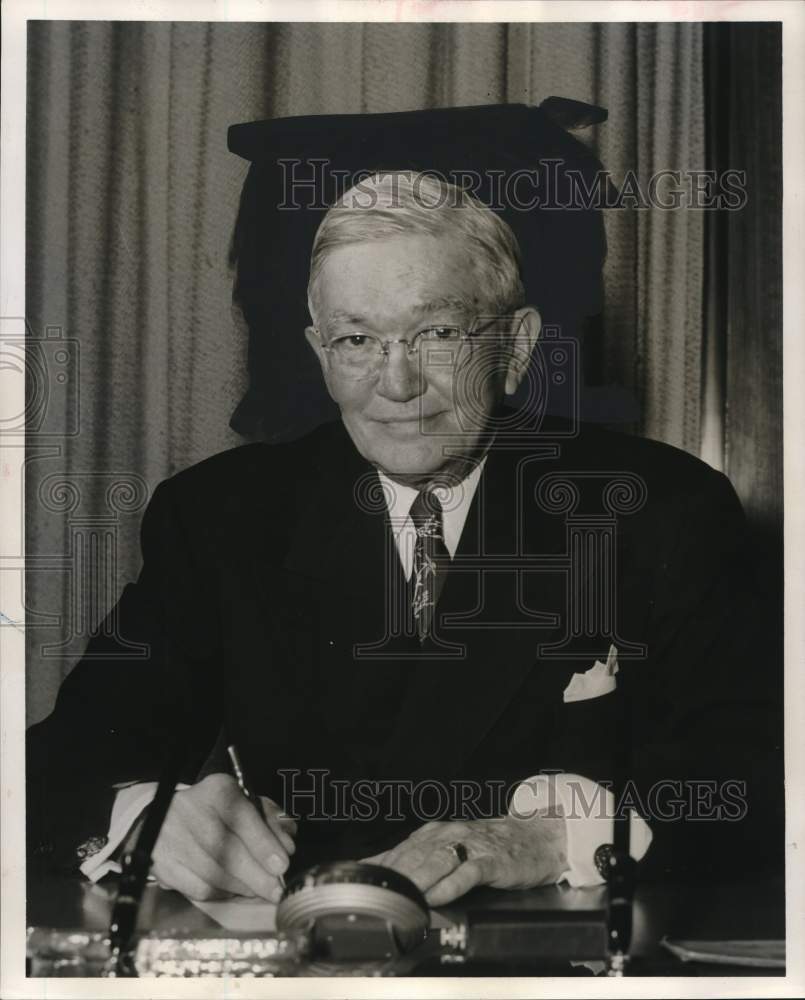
<point>507,853</point>
<point>214,844</point>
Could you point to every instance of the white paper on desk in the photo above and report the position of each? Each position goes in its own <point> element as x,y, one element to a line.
<point>242,913</point>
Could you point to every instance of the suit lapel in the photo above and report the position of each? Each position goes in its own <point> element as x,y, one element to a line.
<point>337,508</point>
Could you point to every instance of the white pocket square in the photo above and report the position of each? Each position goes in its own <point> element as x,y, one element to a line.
<point>595,682</point>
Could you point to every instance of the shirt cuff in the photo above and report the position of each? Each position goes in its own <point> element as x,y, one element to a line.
<point>128,806</point>
<point>588,809</point>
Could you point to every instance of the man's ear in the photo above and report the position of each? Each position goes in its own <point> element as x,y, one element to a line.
<point>314,340</point>
<point>526,325</point>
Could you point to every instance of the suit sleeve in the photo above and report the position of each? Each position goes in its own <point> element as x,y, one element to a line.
<point>706,765</point>
<point>145,683</point>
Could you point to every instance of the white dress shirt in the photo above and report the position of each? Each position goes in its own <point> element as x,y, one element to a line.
<point>455,500</point>
<point>572,794</point>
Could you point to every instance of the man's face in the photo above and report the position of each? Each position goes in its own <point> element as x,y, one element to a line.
<point>399,418</point>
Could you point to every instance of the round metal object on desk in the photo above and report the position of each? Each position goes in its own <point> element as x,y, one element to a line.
<point>351,888</point>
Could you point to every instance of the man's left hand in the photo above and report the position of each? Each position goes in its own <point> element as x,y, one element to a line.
<point>506,853</point>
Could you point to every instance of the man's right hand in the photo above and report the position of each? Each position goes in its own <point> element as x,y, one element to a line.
<point>214,844</point>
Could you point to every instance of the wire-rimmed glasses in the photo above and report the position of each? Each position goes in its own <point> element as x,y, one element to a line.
<point>359,355</point>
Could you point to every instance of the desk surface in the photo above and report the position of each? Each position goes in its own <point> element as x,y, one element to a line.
<point>752,910</point>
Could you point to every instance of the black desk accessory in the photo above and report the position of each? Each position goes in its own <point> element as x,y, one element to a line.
<point>135,868</point>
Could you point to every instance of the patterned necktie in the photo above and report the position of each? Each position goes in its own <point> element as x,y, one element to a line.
<point>431,560</point>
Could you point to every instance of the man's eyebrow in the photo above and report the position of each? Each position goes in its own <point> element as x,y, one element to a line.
<point>443,302</point>
<point>421,308</point>
<point>343,316</point>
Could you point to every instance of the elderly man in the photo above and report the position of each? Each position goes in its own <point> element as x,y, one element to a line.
<point>378,614</point>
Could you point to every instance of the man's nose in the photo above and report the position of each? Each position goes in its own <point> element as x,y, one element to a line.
<point>400,377</point>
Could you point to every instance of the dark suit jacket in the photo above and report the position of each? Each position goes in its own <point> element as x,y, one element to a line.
<point>265,566</point>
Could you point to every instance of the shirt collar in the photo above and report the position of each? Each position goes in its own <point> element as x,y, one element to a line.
<point>456,501</point>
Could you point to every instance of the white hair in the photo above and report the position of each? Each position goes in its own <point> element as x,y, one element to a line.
<point>404,203</point>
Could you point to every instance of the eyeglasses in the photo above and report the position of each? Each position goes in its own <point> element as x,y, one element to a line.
<point>361,355</point>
